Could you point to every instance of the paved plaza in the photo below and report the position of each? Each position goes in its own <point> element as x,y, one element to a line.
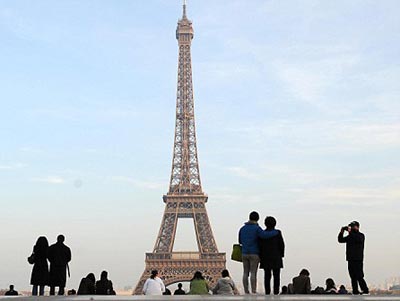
<point>211,297</point>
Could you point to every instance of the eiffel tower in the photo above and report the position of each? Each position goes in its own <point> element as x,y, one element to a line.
<point>185,198</point>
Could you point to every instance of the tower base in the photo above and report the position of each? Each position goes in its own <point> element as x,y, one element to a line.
<point>180,267</point>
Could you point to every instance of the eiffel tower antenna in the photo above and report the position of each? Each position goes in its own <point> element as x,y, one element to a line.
<point>184,9</point>
<point>185,197</point>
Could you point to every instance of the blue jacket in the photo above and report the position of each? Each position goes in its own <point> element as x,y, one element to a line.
<point>249,235</point>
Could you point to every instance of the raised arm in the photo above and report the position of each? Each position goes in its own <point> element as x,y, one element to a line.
<point>266,234</point>
<point>341,238</point>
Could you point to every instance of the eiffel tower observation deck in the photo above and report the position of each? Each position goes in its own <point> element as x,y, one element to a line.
<point>185,198</point>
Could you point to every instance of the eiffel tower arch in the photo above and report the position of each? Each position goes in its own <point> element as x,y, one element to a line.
<point>185,198</point>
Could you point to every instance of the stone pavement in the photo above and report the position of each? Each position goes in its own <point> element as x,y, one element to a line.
<point>210,298</point>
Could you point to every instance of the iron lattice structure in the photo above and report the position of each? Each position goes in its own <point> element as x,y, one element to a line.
<point>185,198</point>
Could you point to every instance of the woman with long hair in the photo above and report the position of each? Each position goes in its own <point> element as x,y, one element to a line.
<point>40,270</point>
<point>198,285</point>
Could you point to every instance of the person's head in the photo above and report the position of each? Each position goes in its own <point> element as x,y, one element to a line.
<point>342,287</point>
<point>91,277</point>
<point>104,275</point>
<point>42,242</point>
<point>354,226</point>
<point>330,283</point>
<point>154,274</point>
<point>11,287</point>
<point>254,216</point>
<point>60,238</point>
<point>270,222</point>
<point>225,273</point>
<point>304,272</point>
<point>180,285</point>
<point>284,290</point>
<point>198,275</point>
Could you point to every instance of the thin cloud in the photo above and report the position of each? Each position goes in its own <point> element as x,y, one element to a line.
<point>140,183</point>
<point>50,180</point>
<point>12,166</point>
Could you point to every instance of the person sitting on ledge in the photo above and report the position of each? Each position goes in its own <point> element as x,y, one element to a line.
<point>198,285</point>
<point>179,291</point>
<point>87,285</point>
<point>330,286</point>
<point>104,286</point>
<point>342,290</point>
<point>302,283</point>
<point>225,285</point>
<point>154,286</point>
<point>11,292</point>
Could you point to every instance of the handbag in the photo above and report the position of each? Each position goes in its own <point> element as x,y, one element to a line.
<point>31,259</point>
<point>236,253</point>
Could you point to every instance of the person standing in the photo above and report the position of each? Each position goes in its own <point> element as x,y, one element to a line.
<point>271,253</point>
<point>59,255</point>
<point>249,234</point>
<point>354,255</point>
<point>40,270</point>
<point>154,286</point>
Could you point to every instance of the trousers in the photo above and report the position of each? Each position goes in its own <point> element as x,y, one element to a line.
<point>267,280</point>
<point>250,267</point>
<point>357,276</point>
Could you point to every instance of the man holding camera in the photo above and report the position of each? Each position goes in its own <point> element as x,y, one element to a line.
<point>354,255</point>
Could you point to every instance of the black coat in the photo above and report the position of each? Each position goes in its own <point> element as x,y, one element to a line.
<point>86,287</point>
<point>354,245</point>
<point>40,270</point>
<point>59,255</point>
<point>272,251</point>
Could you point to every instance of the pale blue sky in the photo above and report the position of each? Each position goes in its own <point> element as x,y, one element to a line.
<point>297,110</point>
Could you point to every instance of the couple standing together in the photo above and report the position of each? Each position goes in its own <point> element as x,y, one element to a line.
<point>264,247</point>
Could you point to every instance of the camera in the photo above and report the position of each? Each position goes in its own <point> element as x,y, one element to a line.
<point>345,228</point>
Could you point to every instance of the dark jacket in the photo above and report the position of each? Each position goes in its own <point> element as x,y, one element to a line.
<point>179,291</point>
<point>249,235</point>
<point>354,245</point>
<point>272,251</point>
<point>104,287</point>
<point>59,255</point>
<point>86,287</point>
<point>40,270</point>
<point>302,284</point>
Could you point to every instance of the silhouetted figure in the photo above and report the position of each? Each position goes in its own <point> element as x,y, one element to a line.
<point>198,285</point>
<point>71,292</point>
<point>271,253</point>
<point>318,291</point>
<point>290,289</point>
<point>104,286</point>
<point>11,291</point>
<point>354,255</point>
<point>167,292</point>
<point>59,255</point>
<point>225,285</point>
<point>284,290</point>
<point>40,270</point>
<point>154,286</point>
<point>179,291</point>
<point>87,285</point>
<point>302,283</point>
<point>342,290</point>
<point>330,286</point>
<point>249,235</point>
